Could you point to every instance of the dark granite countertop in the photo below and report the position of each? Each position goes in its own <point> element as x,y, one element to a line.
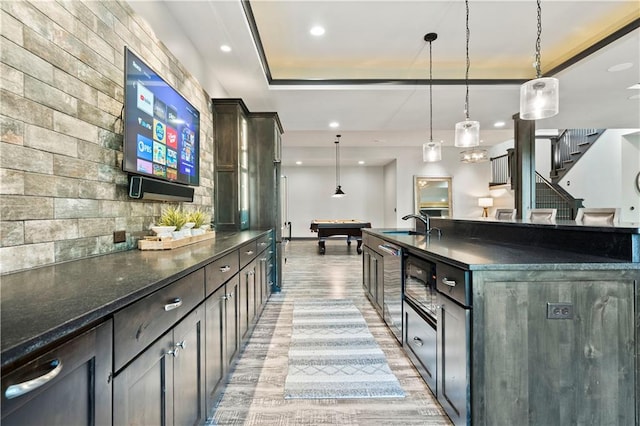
<point>479,254</point>
<point>43,305</point>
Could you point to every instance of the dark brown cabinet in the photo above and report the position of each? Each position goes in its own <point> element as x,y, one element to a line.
<point>69,385</point>
<point>247,297</point>
<point>164,385</point>
<point>374,276</point>
<point>231,187</point>
<point>221,336</point>
<point>157,361</point>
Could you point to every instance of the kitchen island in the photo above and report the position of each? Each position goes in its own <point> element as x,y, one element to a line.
<point>537,324</point>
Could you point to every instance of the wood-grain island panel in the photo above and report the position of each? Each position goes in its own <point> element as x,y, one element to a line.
<point>530,369</point>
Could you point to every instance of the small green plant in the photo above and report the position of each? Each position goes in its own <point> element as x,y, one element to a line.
<point>198,217</point>
<point>173,216</point>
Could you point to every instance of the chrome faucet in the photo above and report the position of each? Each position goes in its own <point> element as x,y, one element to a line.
<point>424,219</point>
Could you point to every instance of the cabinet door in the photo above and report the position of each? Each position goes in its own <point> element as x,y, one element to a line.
<point>251,292</point>
<point>188,369</point>
<point>143,391</point>
<point>261,280</point>
<point>379,266</point>
<point>232,320</point>
<point>243,295</point>
<point>214,341</point>
<point>366,278</point>
<point>75,384</point>
<point>453,376</point>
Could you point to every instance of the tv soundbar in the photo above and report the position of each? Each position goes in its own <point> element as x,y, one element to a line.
<point>145,188</point>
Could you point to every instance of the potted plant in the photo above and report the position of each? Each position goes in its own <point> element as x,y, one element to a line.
<point>200,221</point>
<point>173,216</point>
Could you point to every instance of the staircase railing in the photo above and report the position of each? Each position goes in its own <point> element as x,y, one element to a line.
<point>568,147</point>
<point>550,196</point>
<point>500,171</point>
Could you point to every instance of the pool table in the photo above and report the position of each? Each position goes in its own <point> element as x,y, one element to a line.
<point>350,228</point>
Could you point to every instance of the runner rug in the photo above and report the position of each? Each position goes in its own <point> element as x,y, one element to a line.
<point>334,355</point>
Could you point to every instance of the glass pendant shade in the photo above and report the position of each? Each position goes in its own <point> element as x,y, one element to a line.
<point>431,152</point>
<point>539,98</point>
<point>475,155</point>
<point>467,134</point>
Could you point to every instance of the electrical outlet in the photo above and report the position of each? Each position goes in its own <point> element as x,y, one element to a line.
<point>119,236</point>
<point>559,310</point>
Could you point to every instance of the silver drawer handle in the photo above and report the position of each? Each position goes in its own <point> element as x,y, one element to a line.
<point>250,273</point>
<point>177,302</point>
<point>450,283</point>
<point>20,389</point>
<point>176,349</point>
<point>417,341</point>
<point>225,268</point>
<point>227,296</point>
<point>248,252</point>
<point>270,251</point>
<point>263,243</point>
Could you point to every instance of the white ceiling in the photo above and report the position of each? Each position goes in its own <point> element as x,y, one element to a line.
<point>371,39</point>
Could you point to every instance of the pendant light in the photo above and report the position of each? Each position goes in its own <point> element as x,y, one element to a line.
<point>467,131</point>
<point>339,193</point>
<point>431,151</point>
<point>539,98</point>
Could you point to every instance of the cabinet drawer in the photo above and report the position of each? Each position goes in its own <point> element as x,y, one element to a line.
<point>265,242</point>
<point>248,252</point>
<point>420,339</point>
<point>454,282</point>
<point>60,386</point>
<point>219,271</point>
<point>136,326</point>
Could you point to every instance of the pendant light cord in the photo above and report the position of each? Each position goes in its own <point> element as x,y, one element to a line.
<point>538,73</point>
<point>430,95</point>
<point>338,162</point>
<point>466,78</point>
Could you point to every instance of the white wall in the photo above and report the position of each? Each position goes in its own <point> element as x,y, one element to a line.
<point>310,190</point>
<point>390,194</point>
<point>381,195</point>
<point>384,194</point>
<point>469,181</point>
<point>598,176</point>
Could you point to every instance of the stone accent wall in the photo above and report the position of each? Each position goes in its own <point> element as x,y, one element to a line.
<point>62,189</point>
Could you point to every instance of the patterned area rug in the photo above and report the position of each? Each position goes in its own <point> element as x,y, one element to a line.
<point>334,355</point>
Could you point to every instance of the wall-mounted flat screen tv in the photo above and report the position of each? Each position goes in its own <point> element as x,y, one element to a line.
<point>161,128</point>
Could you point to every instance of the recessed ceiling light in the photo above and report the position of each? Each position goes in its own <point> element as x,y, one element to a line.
<point>317,31</point>
<point>298,162</point>
<point>334,124</point>
<point>634,87</point>
<point>620,67</point>
<point>225,48</point>
<point>499,124</point>
<point>360,162</point>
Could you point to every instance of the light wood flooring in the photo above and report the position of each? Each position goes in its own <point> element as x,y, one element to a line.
<point>254,392</point>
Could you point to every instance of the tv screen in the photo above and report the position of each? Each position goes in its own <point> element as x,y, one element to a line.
<point>161,128</point>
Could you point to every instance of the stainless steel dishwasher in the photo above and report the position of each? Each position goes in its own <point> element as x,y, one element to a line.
<point>454,342</point>
<point>392,287</point>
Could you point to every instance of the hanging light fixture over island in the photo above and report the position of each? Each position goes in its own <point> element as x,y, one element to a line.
<point>431,151</point>
<point>539,98</point>
<point>467,131</point>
